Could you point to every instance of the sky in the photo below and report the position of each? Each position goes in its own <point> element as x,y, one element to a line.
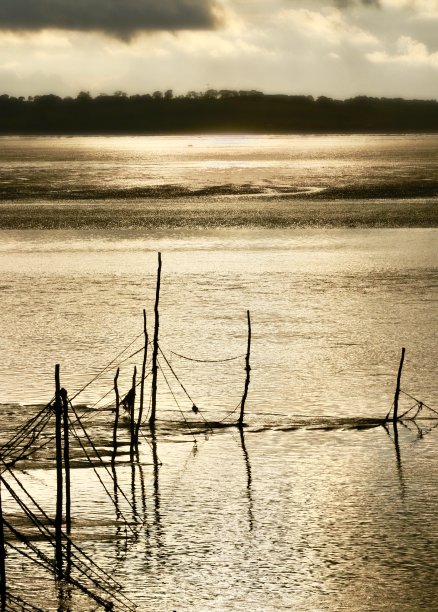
<point>336,48</point>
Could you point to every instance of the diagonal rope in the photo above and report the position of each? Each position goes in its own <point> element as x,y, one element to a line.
<point>23,604</point>
<point>126,522</point>
<point>45,532</point>
<point>176,402</point>
<point>23,431</point>
<point>49,565</point>
<point>111,581</point>
<point>99,374</point>
<point>418,401</point>
<point>27,450</point>
<point>96,452</point>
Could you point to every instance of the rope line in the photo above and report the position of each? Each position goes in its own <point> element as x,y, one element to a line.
<point>127,524</point>
<point>184,389</point>
<point>418,401</point>
<point>21,433</point>
<point>45,532</point>
<point>111,581</point>
<point>93,446</point>
<point>230,413</point>
<point>208,360</point>
<point>138,383</point>
<point>188,395</point>
<point>49,565</point>
<point>24,605</point>
<point>174,373</point>
<point>99,374</point>
<point>24,454</point>
<point>176,402</point>
<point>409,410</point>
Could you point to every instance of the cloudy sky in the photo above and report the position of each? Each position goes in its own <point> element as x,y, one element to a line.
<point>337,48</point>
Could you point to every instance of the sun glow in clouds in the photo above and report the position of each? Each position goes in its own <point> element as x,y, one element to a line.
<point>338,48</point>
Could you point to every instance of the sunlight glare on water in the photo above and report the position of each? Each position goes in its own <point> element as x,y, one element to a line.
<point>312,507</point>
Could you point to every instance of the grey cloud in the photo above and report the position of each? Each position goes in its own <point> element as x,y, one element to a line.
<point>346,3</point>
<point>120,18</point>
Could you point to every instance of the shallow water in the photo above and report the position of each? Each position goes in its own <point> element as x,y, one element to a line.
<point>316,507</point>
<point>63,168</point>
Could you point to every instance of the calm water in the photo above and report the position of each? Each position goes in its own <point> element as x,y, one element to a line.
<point>305,511</point>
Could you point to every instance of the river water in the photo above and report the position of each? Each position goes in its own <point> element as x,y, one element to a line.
<point>330,243</point>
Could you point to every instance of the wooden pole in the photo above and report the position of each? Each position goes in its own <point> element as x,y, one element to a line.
<point>143,373</point>
<point>2,560</point>
<point>131,414</point>
<point>64,398</point>
<point>58,443</point>
<point>116,416</point>
<point>248,370</point>
<point>155,346</point>
<point>397,389</point>
<point>65,425</point>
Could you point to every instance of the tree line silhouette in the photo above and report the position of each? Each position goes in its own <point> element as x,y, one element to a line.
<point>212,111</point>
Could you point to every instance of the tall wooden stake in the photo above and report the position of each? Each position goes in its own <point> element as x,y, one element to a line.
<point>132,415</point>
<point>2,560</point>
<point>248,370</point>
<point>64,398</point>
<point>397,389</point>
<point>116,416</point>
<point>155,346</point>
<point>58,443</point>
<point>143,373</point>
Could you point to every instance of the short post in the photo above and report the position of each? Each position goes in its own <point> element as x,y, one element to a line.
<point>155,346</point>
<point>131,413</point>
<point>397,389</point>
<point>58,443</point>
<point>116,416</point>
<point>143,373</point>
<point>2,559</point>
<point>248,370</point>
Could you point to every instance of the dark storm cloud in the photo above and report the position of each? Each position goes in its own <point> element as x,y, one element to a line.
<point>121,18</point>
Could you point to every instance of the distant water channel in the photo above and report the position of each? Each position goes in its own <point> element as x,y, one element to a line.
<point>311,508</point>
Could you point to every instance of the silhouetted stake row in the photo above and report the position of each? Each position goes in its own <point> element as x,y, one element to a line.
<point>129,399</point>
<point>63,561</point>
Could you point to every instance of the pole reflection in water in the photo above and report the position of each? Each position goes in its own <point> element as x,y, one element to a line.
<point>156,493</point>
<point>399,465</point>
<point>121,542</point>
<point>143,495</point>
<point>248,480</point>
<point>116,490</point>
<point>62,597</point>
<point>133,492</point>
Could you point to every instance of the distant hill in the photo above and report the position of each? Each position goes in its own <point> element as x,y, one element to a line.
<point>213,111</point>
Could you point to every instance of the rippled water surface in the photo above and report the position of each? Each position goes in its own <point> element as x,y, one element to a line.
<point>315,505</point>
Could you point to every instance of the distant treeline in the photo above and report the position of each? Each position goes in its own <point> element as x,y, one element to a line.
<point>212,111</point>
